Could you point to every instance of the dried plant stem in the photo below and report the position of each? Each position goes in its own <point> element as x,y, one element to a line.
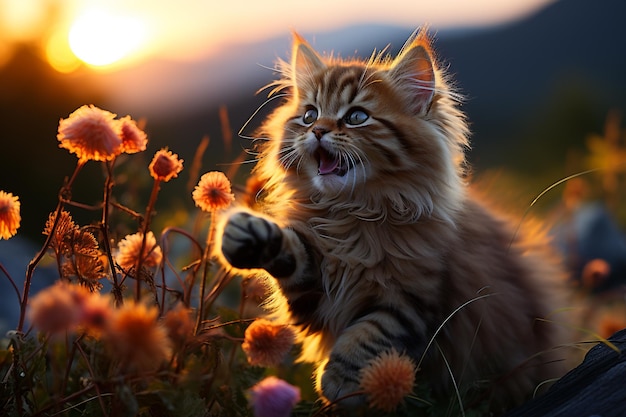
<point>93,376</point>
<point>13,284</point>
<point>221,279</point>
<point>70,362</point>
<point>77,394</point>
<point>144,231</point>
<point>187,289</point>
<point>207,263</point>
<point>64,195</point>
<point>108,186</point>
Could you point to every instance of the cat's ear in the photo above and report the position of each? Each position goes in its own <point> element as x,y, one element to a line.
<point>304,60</point>
<point>414,73</point>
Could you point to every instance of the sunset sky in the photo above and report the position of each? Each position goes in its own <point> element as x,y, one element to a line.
<point>190,29</point>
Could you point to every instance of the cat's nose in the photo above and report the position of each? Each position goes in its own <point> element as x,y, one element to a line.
<point>319,131</point>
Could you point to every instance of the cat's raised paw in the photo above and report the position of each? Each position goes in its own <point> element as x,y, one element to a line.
<point>341,386</point>
<point>249,241</point>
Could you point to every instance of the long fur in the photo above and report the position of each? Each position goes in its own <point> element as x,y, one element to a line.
<point>388,252</point>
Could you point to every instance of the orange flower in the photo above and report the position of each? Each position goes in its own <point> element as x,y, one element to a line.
<point>57,308</point>
<point>95,313</point>
<point>178,324</point>
<point>213,192</point>
<point>64,232</point>
<point>128,251</point>
<point>91,133</point>
<point>136,338</point>
<point>165,165</point>
<point>387,380</point>
<point>266,343</point>
<point>9,215</point>
<point>133,138</point>
<point>86,265</point>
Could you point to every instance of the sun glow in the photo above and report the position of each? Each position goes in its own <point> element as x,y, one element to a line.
<point>102,39</point>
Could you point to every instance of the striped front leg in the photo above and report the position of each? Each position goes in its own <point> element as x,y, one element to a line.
<point>381,329</point>
<point>250,241</point>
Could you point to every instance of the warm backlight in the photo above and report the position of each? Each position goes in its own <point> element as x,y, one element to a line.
<point>100,38</point>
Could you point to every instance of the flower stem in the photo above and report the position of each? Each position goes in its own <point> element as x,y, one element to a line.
<point>108,187</point>
<point>207,262</point>
<point>10,278</point>
<point>187,288</point>
<point>144,231</point>
<point>64,195</point>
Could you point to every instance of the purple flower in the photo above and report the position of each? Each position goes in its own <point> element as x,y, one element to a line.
<point>274,397</point>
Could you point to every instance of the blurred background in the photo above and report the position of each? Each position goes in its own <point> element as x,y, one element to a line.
<point>545,83</point>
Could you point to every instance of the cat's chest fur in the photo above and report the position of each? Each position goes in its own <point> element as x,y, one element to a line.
<point>363,261</point>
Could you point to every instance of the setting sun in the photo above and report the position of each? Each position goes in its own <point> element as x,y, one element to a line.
<point>100,38</point>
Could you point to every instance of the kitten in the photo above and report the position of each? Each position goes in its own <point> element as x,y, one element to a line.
<point>373,238</point>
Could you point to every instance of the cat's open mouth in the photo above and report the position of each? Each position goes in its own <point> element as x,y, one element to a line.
<point>329,164</point>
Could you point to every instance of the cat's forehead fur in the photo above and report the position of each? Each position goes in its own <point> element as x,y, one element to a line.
<point>331,82</point>
<point>338,86</point>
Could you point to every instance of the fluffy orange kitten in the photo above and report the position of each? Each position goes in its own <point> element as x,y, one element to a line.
<point>372,239</point>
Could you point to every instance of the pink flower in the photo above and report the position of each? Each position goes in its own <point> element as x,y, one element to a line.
<point>133,138</point>
<point>129,249</point>
<point>91,133</point>
<point>59,307</point>
<point>165,165</point>
<point>274,397</point>
<point>95,313</point>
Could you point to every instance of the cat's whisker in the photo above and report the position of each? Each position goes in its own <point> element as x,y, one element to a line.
<point>359,160</point>
<point>288,157</point>
<point>235,163</point>
<point>247,122</point>
<point>299,166</point>
<point>353,165</point>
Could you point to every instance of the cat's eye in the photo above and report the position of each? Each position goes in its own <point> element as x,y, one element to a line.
<point>310,116</point>
<point>356,117</point>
